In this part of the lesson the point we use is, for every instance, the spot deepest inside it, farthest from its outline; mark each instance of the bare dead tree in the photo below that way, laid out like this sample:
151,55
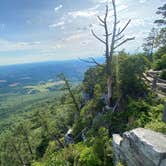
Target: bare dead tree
112,41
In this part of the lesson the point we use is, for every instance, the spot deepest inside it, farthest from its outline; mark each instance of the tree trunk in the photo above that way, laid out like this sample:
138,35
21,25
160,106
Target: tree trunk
109,90
18,154
27,141
68,87
59,142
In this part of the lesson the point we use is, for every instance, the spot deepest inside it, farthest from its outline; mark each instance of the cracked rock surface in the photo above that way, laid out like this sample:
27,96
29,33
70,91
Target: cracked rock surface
140,147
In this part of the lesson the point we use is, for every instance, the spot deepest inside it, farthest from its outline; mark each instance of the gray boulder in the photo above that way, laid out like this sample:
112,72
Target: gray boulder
140,147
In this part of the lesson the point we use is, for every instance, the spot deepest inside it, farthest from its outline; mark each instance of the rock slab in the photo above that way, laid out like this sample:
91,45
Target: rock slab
140,147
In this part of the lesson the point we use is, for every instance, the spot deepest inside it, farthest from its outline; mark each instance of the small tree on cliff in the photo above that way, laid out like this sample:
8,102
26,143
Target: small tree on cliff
161,11
161,37
68,87
112,41
150,44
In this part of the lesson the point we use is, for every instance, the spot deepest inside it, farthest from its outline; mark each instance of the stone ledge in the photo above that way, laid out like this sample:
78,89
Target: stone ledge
140,147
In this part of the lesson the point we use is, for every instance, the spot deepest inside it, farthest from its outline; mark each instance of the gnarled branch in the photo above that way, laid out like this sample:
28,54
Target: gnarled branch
109,34
100,19
106,13
98,38
124,41
117,22
92,60
121,37
121,31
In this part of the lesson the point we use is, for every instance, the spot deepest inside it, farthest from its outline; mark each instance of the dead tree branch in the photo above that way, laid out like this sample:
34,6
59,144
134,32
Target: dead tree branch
121,31
92,60
93,33
100,19
121,37
114,30
123,42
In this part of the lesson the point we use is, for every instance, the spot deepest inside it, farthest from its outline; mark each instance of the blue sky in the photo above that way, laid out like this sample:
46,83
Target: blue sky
44,30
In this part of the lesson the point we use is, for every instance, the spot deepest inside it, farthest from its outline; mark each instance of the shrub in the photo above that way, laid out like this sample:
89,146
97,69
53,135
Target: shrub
37,164
119,164
160,63
163,75
88,158
130,74
157,126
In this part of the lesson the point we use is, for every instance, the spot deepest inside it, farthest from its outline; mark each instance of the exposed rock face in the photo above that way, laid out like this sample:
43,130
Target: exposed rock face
140,147
69,137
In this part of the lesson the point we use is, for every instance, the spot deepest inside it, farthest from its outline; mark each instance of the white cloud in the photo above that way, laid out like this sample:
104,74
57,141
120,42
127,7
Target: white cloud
69,18
93,11
142,1
122,7
138,22
58,8
75,37
85,13
59,24
100,1
7,45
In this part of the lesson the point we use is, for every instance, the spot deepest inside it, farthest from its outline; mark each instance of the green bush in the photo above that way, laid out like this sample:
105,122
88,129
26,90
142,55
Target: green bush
56,162
163,75
130,74
37,164
158,126
137,113
119,164
160,63
88,158
78,154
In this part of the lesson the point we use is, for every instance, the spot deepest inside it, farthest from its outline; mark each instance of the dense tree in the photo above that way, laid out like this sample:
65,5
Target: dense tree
51,131
10,150
149,44
133,84
161,37
161,11
93,76
23,129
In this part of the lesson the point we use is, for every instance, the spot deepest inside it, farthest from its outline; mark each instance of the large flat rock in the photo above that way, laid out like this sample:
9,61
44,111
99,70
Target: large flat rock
140,147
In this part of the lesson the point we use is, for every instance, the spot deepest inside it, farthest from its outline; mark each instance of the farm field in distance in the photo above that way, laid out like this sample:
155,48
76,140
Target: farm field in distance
23,87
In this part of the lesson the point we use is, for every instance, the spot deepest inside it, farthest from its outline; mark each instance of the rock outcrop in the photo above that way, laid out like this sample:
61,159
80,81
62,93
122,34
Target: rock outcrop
140,147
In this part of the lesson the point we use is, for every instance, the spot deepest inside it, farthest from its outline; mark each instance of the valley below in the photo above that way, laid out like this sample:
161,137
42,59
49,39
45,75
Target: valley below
23,87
